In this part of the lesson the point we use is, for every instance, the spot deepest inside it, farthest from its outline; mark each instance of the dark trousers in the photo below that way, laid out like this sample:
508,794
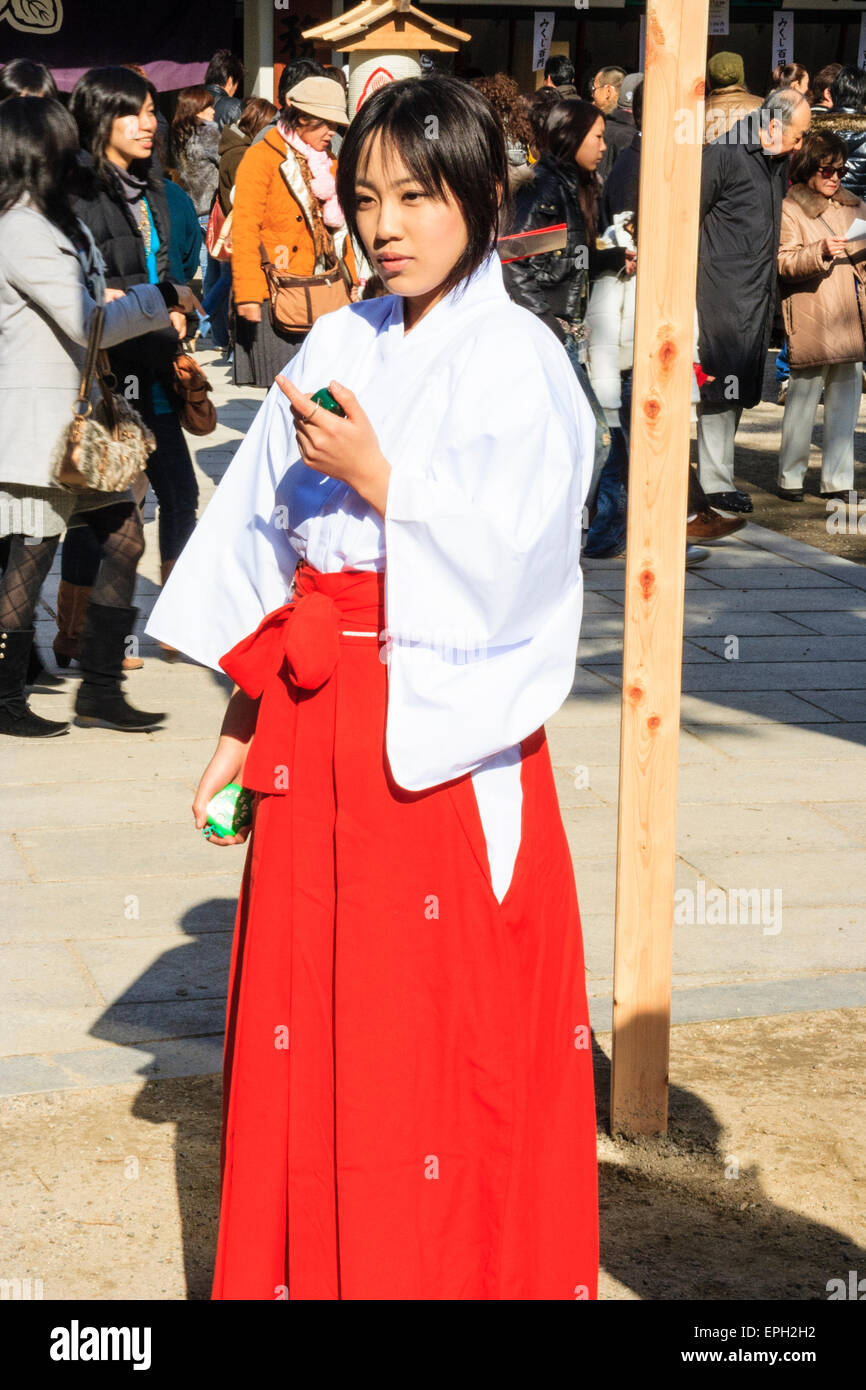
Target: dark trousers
171,475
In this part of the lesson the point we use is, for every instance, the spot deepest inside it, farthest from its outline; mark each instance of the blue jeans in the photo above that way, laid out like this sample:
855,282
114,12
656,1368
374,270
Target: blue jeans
602,430
606,535
215,286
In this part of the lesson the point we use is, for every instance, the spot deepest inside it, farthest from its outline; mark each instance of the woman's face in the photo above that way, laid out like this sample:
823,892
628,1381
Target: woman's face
132,136
208,114
803,84
826,179
315,133
412,238
593,147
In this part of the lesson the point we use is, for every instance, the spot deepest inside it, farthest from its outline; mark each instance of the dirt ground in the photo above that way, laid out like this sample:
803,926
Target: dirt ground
759,1191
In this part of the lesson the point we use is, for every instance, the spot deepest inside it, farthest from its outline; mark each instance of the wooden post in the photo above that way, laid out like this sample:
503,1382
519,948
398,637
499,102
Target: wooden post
676,48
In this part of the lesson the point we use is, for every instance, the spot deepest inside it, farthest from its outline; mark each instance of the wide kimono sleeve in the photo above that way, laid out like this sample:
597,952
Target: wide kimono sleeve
483,581
237,565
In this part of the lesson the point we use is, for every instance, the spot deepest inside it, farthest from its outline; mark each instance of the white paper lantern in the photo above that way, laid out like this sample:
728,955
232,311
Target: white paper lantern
370,71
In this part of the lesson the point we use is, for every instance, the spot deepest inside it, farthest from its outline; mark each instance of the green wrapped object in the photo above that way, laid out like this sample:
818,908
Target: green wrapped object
229,811
326,400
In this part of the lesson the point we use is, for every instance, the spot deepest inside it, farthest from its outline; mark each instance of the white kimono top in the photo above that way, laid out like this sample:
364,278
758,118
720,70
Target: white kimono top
490,439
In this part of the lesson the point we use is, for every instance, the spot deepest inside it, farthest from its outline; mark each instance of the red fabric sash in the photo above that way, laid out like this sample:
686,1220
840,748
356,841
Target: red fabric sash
296,648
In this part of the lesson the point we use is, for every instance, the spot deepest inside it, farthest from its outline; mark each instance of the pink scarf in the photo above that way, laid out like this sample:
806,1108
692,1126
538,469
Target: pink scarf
322,180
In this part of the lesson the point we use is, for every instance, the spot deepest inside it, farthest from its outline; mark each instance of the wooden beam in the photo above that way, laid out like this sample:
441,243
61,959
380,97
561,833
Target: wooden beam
655,561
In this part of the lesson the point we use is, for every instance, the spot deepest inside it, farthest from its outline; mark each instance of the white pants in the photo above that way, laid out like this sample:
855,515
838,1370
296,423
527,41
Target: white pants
842,385
717,426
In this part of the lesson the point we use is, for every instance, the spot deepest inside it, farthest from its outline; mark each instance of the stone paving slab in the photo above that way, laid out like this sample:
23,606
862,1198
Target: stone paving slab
849,705
752,707
185,906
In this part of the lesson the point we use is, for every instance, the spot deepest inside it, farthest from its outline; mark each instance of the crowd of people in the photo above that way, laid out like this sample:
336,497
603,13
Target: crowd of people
101,191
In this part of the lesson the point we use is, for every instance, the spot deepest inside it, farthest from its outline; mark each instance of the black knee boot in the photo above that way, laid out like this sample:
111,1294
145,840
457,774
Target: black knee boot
100,700
16,716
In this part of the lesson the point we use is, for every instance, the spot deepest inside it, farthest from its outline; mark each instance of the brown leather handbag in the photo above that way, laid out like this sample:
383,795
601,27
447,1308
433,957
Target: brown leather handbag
296,301
197,414
108,444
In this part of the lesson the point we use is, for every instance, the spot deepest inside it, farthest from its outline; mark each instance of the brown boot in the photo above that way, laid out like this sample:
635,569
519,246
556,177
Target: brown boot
72,601
165,569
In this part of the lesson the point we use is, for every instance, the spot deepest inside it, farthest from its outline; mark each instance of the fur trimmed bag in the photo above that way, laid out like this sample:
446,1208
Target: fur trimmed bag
108,444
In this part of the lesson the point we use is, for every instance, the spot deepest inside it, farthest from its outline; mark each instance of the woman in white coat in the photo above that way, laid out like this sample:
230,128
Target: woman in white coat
408,1103
51,284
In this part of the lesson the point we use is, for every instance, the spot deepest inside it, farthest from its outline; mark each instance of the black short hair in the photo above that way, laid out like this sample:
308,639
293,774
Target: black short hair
560,70
22,78
450,139
223,65
849,88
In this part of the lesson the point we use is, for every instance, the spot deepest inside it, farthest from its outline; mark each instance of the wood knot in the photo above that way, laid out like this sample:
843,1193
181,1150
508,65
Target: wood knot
700,89
647,580
667,354
635,694
654,722
652,408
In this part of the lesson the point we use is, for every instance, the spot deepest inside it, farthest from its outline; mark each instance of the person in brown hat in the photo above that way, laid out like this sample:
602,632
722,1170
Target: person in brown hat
729,98
286,201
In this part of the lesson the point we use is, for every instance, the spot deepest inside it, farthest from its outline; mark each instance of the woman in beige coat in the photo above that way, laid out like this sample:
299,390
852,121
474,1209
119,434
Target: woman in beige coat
823,279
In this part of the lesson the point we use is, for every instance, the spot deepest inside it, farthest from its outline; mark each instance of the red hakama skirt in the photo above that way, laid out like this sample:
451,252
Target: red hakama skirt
408,1106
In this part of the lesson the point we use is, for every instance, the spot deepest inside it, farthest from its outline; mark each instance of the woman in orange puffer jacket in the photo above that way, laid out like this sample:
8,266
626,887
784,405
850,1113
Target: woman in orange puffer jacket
285,200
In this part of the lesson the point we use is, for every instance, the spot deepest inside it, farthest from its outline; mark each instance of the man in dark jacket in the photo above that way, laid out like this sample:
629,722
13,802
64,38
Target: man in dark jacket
559,74
224,80
846,118
619,127
622,187
744,179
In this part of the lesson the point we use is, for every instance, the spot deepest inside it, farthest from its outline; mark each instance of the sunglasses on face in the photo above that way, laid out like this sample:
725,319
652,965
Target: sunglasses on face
830,171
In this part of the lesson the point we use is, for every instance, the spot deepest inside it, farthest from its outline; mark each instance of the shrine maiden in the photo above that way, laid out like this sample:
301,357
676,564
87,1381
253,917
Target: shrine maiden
408,1095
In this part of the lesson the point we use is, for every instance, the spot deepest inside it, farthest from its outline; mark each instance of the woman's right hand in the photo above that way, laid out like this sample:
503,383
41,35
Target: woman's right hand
225,766
834,246
251,312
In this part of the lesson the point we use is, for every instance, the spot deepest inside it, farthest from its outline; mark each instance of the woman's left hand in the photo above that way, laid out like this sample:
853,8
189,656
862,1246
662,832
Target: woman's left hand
342,447
630,262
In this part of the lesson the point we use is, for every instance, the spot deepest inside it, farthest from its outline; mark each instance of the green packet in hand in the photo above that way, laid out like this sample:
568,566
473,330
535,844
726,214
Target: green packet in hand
229,811
324,398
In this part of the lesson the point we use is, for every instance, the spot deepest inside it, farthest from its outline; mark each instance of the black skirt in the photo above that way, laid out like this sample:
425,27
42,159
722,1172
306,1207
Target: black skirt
261,351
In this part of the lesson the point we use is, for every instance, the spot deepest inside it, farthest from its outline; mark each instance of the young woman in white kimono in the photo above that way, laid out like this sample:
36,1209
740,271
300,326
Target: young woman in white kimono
408,1097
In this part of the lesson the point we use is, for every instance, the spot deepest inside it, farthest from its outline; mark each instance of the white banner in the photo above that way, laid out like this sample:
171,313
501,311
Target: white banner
783,39
720,17
541,37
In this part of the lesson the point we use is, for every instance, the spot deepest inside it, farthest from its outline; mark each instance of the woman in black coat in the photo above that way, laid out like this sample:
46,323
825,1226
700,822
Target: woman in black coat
565,188
126,209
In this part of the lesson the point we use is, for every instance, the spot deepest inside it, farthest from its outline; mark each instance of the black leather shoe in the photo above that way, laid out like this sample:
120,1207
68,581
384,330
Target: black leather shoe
730,501
791,494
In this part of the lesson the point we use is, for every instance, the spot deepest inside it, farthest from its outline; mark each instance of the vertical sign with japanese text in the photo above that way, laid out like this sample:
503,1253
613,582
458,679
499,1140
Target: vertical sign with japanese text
720,17
541,38
783,39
